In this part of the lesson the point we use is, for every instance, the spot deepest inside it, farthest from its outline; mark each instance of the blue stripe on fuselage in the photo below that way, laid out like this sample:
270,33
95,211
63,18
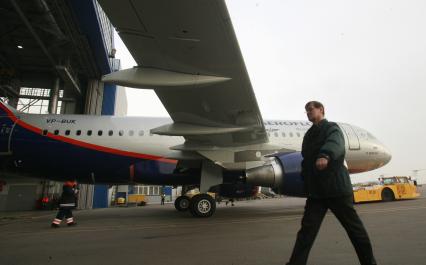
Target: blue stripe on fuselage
41,156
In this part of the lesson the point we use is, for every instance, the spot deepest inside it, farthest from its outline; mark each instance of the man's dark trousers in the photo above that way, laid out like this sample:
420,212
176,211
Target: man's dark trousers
342,208
64,212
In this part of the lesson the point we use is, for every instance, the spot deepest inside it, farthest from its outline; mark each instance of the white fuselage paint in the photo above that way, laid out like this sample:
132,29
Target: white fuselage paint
132,134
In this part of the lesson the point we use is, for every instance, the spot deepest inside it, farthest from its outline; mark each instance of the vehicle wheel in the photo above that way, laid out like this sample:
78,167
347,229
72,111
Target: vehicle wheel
202,205
182,203
387,195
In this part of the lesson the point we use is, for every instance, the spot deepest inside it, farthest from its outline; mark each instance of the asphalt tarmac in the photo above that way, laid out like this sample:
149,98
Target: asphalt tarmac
252,233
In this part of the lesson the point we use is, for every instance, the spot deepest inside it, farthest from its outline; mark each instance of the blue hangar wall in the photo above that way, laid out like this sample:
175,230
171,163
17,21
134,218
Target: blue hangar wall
96,29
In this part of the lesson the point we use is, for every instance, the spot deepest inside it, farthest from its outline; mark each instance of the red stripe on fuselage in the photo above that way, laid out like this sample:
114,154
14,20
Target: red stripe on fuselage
84,144
10,114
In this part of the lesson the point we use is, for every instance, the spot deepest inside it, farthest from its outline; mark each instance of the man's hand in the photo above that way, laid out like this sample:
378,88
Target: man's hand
321,163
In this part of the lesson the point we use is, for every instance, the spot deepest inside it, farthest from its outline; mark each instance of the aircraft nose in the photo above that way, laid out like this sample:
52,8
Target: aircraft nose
387,156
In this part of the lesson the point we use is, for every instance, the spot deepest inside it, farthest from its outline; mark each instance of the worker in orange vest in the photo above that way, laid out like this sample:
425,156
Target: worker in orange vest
67,202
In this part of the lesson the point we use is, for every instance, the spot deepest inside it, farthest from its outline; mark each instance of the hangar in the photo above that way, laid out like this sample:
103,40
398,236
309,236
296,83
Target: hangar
52,56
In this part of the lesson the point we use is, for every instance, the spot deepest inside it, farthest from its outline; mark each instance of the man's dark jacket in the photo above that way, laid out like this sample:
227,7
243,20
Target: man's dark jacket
325,140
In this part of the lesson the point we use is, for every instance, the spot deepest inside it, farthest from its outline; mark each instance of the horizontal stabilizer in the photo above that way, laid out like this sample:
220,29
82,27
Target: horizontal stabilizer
186,129
150,78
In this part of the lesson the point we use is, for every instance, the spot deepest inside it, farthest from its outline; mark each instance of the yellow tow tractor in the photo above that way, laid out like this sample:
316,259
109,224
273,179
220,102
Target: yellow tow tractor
387,189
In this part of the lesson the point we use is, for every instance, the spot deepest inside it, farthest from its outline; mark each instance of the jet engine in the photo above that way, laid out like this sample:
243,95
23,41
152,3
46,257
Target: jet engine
281,173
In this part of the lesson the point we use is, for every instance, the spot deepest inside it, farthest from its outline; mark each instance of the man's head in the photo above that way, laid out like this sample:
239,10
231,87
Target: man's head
314,111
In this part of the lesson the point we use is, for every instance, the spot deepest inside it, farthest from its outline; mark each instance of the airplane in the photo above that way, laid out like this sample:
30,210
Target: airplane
129,150
215,138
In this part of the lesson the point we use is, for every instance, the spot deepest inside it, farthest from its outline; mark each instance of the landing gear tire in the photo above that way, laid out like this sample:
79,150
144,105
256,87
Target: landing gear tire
182,203
387,195
202,205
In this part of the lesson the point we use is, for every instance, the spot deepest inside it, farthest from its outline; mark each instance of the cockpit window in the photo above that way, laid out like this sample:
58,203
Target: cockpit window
371,136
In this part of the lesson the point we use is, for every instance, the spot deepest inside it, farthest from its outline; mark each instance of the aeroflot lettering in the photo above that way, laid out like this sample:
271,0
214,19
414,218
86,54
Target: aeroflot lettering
302,123
60,121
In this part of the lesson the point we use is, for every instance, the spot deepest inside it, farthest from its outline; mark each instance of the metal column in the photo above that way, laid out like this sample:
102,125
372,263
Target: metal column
54,96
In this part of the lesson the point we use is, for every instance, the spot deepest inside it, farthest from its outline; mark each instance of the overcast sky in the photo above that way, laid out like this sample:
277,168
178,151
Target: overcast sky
365,60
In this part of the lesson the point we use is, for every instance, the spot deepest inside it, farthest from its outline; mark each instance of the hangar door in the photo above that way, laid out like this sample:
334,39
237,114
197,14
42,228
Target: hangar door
21,198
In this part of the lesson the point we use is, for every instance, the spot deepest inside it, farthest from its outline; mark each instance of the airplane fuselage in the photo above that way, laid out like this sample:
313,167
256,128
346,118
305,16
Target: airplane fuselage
113,149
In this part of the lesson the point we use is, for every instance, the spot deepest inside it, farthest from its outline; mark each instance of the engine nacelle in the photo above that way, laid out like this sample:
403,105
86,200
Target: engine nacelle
281,173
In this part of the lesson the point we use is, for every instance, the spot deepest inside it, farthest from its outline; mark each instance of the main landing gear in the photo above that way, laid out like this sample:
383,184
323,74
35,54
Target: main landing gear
200,205
182,203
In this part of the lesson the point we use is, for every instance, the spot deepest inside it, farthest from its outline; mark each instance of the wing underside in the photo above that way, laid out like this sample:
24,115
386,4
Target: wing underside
187,52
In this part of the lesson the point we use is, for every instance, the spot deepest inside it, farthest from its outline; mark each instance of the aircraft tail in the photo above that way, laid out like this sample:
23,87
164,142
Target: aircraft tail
7,111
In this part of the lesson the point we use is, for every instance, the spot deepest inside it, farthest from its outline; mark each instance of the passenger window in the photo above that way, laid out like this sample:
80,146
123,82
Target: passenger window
67,132
140,133
283,134
78,132
56,132
121,132
89,132
276,134
100,132
110,132
131,132
298,134
291,134
44,132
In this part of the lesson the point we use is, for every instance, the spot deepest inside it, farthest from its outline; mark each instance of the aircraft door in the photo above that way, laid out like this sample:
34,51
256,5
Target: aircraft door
353,140
6,127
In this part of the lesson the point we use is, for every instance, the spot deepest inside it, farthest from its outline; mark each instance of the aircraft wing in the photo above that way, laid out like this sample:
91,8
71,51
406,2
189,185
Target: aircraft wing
187,52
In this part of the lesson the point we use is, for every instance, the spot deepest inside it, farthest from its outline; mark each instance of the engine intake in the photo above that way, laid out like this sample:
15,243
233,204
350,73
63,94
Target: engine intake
281,173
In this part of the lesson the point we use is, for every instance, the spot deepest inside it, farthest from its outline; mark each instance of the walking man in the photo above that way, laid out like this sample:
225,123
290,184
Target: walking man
163,198
328,186
67,202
